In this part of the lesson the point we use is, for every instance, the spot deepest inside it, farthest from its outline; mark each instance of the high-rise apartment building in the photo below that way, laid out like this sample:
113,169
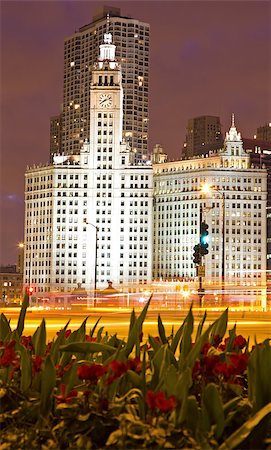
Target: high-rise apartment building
234,209
55,134
88,217
203,135
81,50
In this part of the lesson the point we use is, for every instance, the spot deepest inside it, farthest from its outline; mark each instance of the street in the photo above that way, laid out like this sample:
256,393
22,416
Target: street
116,320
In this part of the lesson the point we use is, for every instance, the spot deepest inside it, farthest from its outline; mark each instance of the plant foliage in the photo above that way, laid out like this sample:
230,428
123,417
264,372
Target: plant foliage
90,391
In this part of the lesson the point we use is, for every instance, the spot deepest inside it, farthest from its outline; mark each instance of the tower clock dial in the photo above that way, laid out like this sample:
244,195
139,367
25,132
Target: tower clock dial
105,100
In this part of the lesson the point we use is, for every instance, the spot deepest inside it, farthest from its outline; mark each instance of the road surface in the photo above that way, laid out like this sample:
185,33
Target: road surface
116,320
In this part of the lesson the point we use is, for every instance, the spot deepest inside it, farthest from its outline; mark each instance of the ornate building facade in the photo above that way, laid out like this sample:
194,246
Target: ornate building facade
234,209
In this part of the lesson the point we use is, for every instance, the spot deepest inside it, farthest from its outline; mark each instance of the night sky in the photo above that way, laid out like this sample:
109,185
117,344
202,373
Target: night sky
207,57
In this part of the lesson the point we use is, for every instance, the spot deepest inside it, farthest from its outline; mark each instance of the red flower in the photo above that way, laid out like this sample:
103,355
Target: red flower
134,364
196,369
26,341
209,362
118,368
90,338
48,347
205,348
158,400
36,363
224,369
239,362
9,355
151,399
65,398
216,340
222,347
91,372
164,404
239,342
62,370
67,333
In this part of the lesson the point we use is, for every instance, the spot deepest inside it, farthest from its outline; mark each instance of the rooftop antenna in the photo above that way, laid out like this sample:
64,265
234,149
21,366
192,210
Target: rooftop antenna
107,23
232,120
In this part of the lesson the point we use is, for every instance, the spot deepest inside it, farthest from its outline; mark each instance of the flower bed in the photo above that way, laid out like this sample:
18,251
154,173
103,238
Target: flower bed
91,390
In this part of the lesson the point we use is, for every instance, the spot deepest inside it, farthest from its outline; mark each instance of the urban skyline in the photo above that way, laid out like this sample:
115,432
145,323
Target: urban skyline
167,82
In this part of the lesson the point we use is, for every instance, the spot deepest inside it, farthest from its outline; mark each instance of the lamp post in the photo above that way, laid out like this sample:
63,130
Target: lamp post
206,189
95,260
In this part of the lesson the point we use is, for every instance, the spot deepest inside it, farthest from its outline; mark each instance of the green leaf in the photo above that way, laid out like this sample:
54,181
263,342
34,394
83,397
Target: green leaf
154,343
236,438
195,351
5,329
232,335
39,339
170,381
231,404
80,334
21,319
143,375
214,407
55,352
176,338
192,418
182,389
134,378
132,320
99,334
26,369
186,342
200,326
161,330
70,378
48,382
87,347
136,330
259,385
160,362
92,331
220,325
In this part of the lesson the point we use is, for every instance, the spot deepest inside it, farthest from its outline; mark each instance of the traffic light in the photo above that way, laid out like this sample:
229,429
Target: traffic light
204,239
197,254
30,290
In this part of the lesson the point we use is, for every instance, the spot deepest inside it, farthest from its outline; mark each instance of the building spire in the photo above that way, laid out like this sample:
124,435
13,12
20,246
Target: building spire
107,48
232,121
107,23
107,35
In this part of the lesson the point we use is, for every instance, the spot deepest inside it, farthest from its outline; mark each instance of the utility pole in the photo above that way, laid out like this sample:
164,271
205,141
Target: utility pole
200,289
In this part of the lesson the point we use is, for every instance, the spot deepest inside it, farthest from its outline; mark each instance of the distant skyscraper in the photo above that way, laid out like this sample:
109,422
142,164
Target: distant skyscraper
264,132
131,38
203,135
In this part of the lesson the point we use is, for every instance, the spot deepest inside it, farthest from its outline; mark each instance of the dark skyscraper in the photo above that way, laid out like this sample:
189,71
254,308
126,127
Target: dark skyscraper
264,132
203,134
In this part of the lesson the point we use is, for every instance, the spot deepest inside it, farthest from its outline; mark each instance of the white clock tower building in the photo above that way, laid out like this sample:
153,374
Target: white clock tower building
89,217
120,193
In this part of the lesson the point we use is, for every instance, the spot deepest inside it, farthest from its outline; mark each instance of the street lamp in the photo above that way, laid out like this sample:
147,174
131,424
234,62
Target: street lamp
95,261
207,189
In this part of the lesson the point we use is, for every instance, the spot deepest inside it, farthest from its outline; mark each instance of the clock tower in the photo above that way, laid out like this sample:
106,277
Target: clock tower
106,106
119,197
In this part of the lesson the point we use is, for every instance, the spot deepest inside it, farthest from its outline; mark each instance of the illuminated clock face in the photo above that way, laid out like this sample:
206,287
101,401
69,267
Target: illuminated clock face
105,100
